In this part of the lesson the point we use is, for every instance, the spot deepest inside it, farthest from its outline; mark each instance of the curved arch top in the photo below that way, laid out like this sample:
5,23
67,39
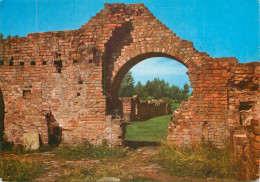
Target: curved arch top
119,74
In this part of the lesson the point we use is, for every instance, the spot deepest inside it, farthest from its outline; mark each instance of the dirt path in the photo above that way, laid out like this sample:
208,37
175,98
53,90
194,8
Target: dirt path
138,163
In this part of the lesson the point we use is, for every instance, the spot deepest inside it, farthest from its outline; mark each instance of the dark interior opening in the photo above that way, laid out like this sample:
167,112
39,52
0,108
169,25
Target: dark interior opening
58,65
245,105
54,130
26,94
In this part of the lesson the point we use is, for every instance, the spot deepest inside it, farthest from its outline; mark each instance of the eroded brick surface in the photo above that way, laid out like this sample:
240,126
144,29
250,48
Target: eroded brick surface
75,75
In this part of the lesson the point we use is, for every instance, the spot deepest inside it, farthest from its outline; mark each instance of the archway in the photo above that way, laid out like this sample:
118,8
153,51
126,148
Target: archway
114,104
113,101
149,94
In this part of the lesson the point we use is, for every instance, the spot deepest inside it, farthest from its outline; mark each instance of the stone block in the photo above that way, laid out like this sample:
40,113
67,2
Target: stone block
31,141
108,179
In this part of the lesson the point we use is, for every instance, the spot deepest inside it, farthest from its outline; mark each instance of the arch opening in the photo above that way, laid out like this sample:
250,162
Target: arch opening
116,79
132,107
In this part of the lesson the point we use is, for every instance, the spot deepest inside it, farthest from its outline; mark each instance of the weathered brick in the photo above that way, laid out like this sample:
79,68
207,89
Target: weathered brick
104,50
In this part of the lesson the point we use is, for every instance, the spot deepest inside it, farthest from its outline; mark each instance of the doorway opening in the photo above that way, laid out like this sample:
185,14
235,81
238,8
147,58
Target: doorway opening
148,95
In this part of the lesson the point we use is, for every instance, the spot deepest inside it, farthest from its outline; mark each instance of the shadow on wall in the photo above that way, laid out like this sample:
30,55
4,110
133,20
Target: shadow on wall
2,115
54,130
121,37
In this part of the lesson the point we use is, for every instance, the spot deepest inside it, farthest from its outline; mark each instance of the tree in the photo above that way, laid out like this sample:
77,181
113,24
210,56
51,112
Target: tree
138,90
159,89
186,91
127,86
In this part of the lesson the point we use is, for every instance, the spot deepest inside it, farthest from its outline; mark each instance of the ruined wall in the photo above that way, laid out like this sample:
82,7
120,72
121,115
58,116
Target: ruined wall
205,115
135,109
58,72
244,109
128,108
146,109
44,73
75,75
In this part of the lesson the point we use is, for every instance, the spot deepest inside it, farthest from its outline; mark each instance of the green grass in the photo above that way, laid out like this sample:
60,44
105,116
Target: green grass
82,173
16,170
152,130
202,161
79,173
174,106
87,150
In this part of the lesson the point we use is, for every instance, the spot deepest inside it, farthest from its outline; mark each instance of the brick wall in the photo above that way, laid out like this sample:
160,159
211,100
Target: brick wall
135,109
128,108
75,75
58,72
244,118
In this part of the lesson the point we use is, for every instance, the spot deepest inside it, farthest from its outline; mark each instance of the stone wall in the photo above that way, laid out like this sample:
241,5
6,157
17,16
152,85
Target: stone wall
135,109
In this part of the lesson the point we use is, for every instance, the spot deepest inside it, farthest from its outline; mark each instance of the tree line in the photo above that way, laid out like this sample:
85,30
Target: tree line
155,89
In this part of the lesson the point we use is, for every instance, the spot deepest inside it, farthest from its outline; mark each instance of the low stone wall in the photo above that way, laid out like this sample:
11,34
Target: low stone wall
135,109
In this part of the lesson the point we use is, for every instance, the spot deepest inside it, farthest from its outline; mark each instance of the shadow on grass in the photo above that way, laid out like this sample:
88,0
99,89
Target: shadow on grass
138,144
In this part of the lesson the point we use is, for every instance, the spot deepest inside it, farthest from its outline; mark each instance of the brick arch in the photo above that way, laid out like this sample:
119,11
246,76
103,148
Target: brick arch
185,54
189,57
121,72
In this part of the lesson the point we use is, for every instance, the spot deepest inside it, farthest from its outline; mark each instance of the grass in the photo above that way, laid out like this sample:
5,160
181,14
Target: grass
78,173
82,173
202,161
87,150
152,130
174,106
122,172
20,170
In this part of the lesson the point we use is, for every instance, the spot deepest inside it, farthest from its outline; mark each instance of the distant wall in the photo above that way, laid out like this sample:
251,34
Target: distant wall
135,109
128,108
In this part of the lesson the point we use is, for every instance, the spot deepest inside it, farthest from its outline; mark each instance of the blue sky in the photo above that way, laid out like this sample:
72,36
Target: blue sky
222,28
164,68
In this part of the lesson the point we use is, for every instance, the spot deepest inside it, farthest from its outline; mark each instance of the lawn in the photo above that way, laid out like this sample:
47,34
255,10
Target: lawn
174,106
152,130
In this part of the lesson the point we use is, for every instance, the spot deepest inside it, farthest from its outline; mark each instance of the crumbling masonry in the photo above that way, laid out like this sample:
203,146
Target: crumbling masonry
134,109
74,76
